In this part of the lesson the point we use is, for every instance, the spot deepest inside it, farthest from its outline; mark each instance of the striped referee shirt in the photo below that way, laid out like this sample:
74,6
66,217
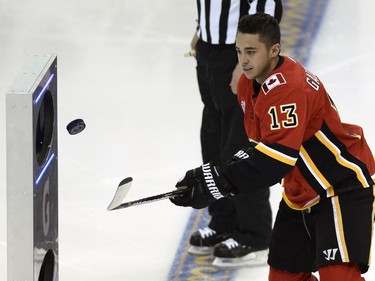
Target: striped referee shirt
218,19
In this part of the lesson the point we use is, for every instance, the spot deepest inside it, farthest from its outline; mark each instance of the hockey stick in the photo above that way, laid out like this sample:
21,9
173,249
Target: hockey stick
123,189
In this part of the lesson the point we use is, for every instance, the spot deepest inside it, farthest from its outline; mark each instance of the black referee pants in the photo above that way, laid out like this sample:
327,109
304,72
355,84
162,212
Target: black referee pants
249,218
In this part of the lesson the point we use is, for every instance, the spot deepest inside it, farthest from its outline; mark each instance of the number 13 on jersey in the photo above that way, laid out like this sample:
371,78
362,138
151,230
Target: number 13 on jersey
283,116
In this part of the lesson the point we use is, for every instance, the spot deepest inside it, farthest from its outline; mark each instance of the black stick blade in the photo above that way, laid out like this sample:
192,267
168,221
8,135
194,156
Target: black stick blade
151,199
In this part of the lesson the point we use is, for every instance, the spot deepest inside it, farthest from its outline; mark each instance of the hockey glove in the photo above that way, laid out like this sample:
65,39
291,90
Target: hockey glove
243,153
204,185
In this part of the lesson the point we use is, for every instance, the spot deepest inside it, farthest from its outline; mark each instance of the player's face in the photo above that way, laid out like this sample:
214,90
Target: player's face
256,60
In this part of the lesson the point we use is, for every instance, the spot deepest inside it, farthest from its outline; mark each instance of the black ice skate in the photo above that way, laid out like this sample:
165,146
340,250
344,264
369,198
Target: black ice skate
203,241
232,254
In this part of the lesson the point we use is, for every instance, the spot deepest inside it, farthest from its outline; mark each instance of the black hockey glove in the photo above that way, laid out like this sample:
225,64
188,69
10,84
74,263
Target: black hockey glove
241,154
204,185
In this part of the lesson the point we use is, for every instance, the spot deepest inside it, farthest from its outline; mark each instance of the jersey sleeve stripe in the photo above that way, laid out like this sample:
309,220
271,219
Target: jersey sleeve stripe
315,172
277,155
340,159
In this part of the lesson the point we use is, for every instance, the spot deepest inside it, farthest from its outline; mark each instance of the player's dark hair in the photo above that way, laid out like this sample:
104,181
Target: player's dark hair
264,25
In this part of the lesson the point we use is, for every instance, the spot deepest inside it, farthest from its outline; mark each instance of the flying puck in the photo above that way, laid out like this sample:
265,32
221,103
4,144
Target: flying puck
76,126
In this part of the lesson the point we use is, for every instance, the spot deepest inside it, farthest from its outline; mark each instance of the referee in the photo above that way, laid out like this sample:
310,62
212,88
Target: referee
239,228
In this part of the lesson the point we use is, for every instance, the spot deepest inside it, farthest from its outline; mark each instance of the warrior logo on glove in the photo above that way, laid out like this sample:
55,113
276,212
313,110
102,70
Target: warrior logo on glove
203,185
210,182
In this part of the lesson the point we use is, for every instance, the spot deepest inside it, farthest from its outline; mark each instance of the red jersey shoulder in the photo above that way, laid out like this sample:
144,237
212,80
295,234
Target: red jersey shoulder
289,74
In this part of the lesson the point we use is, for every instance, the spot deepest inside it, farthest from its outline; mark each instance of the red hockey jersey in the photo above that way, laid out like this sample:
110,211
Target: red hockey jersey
300,139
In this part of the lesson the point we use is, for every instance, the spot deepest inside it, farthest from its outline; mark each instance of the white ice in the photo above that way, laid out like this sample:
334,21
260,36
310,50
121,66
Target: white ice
121,68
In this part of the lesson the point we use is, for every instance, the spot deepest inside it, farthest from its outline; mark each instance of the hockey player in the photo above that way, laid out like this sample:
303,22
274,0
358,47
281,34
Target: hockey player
324,222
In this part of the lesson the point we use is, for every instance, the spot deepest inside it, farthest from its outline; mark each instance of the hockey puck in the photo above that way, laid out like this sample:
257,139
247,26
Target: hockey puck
76,126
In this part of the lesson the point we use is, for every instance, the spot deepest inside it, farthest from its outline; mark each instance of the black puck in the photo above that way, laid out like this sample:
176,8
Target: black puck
76,126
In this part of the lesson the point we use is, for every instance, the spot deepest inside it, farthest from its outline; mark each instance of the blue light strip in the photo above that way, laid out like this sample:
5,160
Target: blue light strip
45,168
44,89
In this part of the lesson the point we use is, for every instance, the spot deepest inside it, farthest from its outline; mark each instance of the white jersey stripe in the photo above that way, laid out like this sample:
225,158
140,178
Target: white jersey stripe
214,21
270,7
234,15
315,172
344,162
202,23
